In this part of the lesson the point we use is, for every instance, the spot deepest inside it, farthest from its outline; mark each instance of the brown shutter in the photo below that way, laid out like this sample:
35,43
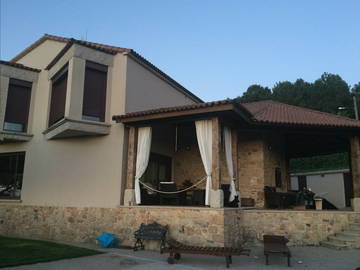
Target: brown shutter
94,101
18,103
58,96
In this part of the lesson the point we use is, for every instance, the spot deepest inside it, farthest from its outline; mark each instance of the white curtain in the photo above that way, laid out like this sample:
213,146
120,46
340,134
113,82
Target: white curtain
204,138
142,158
229,162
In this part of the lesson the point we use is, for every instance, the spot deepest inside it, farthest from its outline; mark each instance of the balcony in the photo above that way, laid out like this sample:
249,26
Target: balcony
68,127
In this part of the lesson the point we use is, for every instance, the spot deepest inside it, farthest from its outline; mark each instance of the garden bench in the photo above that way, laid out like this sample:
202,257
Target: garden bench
276,244
153,231
176,249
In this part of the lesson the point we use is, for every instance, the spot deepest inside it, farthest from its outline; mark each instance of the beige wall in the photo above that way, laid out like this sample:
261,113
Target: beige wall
84,171
42,55
145,90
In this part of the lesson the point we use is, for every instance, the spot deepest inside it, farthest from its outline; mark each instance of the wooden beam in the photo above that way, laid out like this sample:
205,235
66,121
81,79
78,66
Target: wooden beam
216,147
234,148
355,164
132,152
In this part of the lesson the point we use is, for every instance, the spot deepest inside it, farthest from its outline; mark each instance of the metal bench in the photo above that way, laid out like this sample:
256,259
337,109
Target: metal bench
153,231
176,249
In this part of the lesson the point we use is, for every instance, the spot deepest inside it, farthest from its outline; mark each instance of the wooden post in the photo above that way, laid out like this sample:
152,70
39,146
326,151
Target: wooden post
132,152
216,146
355,164
287,174
234,147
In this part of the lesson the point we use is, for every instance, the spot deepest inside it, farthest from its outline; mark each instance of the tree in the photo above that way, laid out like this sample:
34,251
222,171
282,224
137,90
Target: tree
328,93
255,92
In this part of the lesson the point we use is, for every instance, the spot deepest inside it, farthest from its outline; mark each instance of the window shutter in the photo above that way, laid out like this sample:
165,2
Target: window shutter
58,97
94,102
18,103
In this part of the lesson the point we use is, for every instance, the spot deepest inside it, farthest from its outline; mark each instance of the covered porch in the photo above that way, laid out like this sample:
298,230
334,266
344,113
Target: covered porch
257,153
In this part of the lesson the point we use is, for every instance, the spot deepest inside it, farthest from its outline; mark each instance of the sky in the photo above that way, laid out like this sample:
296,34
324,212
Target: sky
216,49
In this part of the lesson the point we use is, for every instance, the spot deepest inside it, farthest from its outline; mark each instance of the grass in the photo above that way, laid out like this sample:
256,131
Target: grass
17,251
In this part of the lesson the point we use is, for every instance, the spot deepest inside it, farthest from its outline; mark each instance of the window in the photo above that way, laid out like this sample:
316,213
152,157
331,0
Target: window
94,101
58,96
17,106
11,174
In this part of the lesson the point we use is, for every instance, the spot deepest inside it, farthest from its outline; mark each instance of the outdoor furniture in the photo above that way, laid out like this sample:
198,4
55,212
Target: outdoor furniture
176,249
198,197
153,231
276,244
169,199
282,200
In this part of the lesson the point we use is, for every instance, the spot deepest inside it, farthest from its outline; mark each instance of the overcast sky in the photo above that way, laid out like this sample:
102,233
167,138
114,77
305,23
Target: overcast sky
214,48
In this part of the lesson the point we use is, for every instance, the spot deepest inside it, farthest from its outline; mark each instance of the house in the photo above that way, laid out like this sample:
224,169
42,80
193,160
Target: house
58,144
108,141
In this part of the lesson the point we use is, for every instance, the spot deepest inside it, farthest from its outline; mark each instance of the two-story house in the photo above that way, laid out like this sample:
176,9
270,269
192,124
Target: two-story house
58,144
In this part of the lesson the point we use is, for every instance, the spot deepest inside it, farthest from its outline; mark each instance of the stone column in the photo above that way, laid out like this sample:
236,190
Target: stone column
216,194
355,171
129,195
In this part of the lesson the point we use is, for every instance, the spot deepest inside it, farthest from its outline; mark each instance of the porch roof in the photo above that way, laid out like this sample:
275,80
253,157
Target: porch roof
264,113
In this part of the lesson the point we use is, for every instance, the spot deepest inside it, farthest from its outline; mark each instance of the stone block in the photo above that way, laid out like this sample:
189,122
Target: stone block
129,197
216,198
355,204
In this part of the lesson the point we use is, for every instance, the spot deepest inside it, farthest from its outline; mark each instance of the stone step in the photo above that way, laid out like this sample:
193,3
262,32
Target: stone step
334,245
354,226
342,239
349,233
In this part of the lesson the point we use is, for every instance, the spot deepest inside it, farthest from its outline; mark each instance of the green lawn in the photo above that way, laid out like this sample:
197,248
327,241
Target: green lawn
17,251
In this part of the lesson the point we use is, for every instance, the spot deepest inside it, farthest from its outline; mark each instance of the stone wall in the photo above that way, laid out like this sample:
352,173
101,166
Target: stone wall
251,167
196,226
200,226
300,227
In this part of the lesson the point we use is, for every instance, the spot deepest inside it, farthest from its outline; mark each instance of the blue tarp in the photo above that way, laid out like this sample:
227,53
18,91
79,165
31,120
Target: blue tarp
107,240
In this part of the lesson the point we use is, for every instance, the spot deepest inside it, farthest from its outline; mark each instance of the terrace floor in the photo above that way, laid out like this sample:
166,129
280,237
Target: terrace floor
318,258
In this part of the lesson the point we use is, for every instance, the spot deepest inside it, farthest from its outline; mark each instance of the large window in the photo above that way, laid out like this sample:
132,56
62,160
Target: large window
11,174
94,102
58,96
17,106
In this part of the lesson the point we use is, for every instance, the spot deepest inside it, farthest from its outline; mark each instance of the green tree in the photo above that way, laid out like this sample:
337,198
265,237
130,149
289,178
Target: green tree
255,92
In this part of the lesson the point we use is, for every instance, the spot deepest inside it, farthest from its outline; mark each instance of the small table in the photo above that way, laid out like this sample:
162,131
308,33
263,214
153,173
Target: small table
276,244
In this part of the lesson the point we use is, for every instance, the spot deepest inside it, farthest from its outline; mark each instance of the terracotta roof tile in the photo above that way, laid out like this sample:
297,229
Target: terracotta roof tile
16,65
265,112
107,49
175,109
273,112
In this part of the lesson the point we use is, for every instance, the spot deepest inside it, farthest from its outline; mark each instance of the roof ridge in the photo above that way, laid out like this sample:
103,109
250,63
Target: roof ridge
303,108
17,65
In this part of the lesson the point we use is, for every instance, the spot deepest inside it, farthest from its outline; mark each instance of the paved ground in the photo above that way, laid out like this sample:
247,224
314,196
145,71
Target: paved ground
318,258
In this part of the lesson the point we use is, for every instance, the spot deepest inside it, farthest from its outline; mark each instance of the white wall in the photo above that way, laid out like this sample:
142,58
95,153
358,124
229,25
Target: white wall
332,183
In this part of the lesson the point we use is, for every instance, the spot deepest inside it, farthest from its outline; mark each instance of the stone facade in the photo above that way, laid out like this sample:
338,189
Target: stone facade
258,156
196,226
